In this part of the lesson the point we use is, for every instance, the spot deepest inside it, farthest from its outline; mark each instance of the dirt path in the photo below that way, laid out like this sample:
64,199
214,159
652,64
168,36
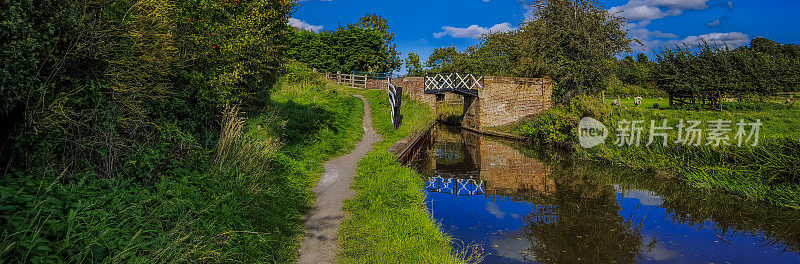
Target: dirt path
321,243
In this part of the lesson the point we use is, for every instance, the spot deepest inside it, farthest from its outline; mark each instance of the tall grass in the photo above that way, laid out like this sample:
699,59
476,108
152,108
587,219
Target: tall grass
247,155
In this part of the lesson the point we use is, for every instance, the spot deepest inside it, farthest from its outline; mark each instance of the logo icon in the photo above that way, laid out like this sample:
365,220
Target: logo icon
591,132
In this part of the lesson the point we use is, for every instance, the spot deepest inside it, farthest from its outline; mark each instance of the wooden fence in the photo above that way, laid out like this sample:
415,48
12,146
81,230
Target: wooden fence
349,80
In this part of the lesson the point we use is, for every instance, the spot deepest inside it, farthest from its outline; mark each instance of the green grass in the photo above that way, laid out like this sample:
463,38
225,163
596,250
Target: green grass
388,221
192,211
768,172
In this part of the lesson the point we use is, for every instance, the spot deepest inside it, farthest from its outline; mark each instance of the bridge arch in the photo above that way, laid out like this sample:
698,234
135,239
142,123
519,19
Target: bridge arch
489,101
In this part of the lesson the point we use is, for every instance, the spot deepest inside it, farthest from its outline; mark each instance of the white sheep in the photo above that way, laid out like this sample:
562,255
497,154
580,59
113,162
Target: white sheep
637,101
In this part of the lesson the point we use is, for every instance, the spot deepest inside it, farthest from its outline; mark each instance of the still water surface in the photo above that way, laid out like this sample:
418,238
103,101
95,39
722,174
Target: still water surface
538,206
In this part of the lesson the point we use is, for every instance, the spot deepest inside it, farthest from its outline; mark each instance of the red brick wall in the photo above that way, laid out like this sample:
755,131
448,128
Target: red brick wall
505,100
414,88
376,84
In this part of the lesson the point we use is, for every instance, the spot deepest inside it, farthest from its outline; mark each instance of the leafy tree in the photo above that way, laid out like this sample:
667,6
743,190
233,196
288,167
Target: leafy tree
442,58
634,71
571,40
364,46
413,65
764,67
233,48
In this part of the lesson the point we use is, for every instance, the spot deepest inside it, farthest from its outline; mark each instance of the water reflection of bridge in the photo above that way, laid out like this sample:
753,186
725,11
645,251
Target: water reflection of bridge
463,163
459,187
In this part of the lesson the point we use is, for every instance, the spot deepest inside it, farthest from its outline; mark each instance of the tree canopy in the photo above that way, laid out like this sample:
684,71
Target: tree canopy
365,46
764,67
413,65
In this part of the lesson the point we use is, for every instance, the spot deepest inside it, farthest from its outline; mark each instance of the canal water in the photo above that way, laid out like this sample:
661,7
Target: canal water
525,205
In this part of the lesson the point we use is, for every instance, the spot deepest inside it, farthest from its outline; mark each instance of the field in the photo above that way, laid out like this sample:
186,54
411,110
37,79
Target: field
769,171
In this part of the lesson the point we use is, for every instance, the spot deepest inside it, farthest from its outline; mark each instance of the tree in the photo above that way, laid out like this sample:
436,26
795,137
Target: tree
365,46
570,40
765,67
234,49
413,65
442,58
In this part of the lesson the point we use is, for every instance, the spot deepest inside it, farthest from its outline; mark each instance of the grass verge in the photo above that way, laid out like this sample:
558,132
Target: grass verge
388,221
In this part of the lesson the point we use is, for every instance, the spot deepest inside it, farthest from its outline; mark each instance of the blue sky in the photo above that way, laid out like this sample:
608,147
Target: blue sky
422,25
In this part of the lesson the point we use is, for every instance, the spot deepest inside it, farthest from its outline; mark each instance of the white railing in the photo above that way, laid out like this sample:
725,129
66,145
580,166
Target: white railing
453,81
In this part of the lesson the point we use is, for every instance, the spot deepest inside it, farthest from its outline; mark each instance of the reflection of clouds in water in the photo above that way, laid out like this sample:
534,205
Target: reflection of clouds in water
644,197
656,250
512,246
495,210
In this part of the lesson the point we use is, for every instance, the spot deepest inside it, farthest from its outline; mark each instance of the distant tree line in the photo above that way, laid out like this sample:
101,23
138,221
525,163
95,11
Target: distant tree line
366,46
765,67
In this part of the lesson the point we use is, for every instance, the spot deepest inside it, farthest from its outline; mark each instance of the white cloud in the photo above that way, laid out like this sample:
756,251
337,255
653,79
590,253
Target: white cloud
731,39
636,10
473,31
649,39
714,23
300,24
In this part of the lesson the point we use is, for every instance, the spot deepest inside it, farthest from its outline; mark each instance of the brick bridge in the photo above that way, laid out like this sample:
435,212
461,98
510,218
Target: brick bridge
489,101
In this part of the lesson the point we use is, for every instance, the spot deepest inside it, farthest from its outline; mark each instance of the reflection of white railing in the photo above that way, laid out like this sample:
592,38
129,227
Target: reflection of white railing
453,81
458,187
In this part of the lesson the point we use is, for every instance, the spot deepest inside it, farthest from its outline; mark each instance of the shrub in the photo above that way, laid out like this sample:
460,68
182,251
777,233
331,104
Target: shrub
299,73
559,126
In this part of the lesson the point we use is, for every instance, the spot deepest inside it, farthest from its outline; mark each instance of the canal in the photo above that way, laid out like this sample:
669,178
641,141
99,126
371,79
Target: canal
527,205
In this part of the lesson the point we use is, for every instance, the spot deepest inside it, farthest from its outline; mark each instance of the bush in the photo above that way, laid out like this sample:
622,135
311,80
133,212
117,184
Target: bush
559,126
300,73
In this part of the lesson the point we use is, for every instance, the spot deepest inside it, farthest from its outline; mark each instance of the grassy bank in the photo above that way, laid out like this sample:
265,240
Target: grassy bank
245,205
768,172
388,221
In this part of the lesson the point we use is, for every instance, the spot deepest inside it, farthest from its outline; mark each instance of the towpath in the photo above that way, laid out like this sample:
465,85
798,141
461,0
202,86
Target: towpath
321,243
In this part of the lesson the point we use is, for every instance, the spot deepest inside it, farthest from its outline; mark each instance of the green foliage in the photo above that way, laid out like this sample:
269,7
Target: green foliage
299,73
189,211
636,72
366,46
413,65
442,59
232,49
559,126
765,68
113,113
